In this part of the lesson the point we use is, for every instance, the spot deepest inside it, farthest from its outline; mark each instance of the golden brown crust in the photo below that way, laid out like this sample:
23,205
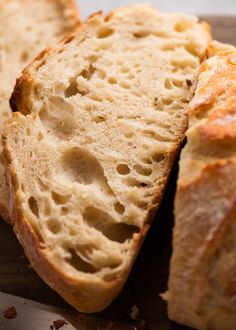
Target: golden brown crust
202,283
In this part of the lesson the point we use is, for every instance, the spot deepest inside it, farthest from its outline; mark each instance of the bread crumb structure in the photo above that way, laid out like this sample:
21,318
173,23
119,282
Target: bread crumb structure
26,28
102,117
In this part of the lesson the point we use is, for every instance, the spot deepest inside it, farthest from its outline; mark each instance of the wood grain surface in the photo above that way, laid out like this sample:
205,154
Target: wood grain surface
149,276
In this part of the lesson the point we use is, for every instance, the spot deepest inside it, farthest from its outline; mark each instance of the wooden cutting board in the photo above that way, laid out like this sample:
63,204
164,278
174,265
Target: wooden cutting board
149,276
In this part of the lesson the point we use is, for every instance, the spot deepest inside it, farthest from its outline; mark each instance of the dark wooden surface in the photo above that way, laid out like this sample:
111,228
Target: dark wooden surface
149,276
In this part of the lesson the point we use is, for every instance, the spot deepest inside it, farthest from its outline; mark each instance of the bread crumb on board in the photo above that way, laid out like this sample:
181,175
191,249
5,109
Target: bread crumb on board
10,313
58,324
134,312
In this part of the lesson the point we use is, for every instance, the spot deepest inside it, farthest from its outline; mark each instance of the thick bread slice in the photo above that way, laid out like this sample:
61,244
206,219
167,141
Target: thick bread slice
27,27
88,165
202,283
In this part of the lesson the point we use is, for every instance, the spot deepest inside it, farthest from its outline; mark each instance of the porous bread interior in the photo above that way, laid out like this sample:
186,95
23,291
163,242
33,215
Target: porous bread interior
107,117
26,28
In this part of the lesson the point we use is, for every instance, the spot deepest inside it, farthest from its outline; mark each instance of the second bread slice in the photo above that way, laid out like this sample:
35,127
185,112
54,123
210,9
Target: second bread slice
102,118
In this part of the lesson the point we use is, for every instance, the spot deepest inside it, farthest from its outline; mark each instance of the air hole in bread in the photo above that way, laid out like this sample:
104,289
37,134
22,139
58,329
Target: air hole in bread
177,83
79,165
22,187
132,182
185,101
131,76
169,46
33,205
105,45
124,69
101,74
112,80
92,58
181,64
59,199
54,226
89,107
125,85
24,56
141,34
95,97
72,89
158,104
119,208
139,203
166,101
88,73
147,160
168,84
158,157
123,169
109,98
104,223
99,119
57,117
28,131
79,264
154,135
104,32
40,136
142,170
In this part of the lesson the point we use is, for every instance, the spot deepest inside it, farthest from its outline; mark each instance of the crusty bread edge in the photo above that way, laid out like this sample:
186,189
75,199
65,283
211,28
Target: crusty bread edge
197,314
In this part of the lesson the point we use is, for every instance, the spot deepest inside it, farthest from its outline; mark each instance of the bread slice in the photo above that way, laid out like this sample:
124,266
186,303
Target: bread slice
202,283
27,27
102,118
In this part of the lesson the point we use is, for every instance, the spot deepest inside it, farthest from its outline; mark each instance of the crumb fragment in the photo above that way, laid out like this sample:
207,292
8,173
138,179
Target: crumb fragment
10,313
58,324
134,312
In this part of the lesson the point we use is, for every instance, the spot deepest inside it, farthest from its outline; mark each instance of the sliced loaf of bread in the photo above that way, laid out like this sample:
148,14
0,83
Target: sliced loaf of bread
26,28
101,119
202,283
